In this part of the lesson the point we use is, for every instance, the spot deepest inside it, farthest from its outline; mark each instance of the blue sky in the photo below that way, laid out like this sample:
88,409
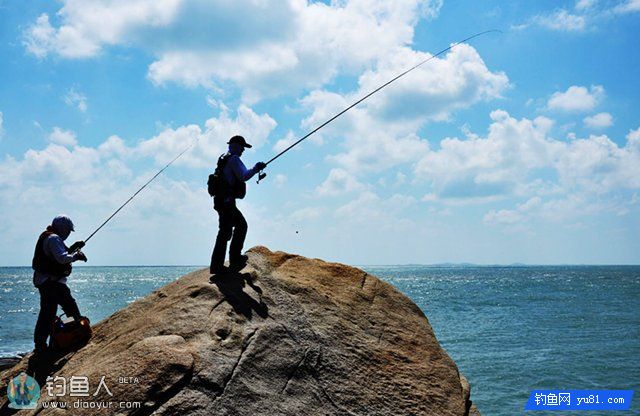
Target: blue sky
520,147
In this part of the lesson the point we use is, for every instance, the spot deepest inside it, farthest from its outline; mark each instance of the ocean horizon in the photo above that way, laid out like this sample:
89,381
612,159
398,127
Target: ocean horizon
509,328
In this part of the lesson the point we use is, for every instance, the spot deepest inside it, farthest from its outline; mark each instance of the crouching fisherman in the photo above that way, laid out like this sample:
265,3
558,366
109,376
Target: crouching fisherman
52,265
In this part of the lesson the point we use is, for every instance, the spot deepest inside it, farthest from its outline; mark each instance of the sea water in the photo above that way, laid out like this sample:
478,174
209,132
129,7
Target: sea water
509,329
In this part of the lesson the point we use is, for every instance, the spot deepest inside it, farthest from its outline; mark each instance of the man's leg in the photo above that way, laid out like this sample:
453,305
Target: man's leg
225,228
48,308
67,302
239,234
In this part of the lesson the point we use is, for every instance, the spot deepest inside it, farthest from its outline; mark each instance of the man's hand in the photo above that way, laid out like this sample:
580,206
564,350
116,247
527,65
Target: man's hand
76,246
260,165
80,256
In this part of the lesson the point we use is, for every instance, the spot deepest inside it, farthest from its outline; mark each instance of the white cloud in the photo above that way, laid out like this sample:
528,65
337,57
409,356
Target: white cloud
435,90
576,98
585,4
627,6
89,182
492,166
210,141
339,182
285,142
586,16
280,180
508,217
62,137
369,209
506,162
87,26
634,136
306,214
291,45
380,133
598,165
76,99
562,20
598,121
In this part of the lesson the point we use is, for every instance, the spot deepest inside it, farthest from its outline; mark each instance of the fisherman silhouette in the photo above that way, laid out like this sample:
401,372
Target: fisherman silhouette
52,265
231,223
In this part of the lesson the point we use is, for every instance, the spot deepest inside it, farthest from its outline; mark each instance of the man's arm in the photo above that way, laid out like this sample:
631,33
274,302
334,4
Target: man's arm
240,171
59,251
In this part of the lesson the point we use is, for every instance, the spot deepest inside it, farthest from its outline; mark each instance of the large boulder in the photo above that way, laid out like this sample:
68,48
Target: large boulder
287,335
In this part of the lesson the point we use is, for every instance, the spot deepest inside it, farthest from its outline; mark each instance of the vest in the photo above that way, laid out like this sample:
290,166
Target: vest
45,264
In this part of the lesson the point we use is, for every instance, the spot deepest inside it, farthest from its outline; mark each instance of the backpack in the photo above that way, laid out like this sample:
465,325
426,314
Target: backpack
216,185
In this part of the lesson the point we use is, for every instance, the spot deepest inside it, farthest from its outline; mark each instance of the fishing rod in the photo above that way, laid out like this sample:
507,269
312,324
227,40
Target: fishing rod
262,175
139,190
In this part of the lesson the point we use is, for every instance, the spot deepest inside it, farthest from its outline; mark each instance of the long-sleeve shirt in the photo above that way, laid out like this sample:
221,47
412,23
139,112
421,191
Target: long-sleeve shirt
235,171
53,246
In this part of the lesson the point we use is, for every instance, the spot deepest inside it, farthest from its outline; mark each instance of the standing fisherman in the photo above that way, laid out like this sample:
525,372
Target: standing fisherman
52,265
232,225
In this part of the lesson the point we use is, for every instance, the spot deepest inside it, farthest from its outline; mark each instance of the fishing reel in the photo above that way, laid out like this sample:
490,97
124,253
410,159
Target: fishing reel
261,176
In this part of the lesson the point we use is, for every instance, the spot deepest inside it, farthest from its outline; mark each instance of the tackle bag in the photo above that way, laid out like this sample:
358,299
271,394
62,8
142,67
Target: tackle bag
70,334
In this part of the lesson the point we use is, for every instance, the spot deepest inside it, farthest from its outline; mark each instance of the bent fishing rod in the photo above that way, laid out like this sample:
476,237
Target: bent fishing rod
262,175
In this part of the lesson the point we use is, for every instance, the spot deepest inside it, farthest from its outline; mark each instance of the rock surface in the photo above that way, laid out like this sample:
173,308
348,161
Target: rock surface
286,336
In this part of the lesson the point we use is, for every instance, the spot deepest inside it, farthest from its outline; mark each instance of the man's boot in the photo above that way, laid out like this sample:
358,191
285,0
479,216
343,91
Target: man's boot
238,263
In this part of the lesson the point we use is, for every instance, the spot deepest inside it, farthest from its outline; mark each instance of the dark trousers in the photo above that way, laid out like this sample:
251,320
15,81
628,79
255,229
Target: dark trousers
53,294
231,226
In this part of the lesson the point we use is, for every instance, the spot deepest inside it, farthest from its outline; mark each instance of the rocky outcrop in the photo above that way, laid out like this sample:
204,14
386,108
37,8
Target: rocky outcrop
286,336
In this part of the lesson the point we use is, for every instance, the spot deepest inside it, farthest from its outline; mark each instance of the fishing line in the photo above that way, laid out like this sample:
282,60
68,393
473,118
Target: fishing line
139,190
262,175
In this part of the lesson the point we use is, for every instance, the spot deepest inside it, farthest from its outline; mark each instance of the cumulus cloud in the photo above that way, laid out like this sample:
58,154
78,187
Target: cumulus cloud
380,133
434,90
291,45
87,26
492,166
76,99
598,121
598,165
88,182
210,141
338,182
62,137
504,162
576,98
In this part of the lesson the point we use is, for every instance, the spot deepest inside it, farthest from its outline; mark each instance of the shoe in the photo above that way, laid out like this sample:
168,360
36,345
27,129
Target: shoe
218,270
238,263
